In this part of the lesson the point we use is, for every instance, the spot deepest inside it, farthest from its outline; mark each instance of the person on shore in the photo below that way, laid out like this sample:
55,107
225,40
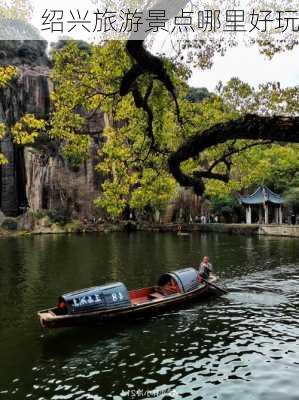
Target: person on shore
205,269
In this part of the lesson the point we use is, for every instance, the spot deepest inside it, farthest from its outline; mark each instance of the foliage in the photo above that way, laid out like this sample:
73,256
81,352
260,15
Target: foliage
2,130
196,95
129,180
7,74
268,99
78,91
10,224
3,159
136,175
60,216
133,158
272,165
291,197
226,205
28,129
269,164
16,9
155,190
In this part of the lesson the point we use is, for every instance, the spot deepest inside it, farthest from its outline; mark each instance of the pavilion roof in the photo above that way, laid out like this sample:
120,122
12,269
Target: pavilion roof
260,196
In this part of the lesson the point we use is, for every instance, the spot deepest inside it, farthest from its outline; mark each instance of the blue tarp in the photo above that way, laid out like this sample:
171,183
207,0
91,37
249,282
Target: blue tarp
260,196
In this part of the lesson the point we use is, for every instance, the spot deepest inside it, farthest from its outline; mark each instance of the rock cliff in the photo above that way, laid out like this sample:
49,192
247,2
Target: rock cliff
39,178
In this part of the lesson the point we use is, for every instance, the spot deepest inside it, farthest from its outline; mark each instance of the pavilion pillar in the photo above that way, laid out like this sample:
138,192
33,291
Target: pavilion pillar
280,215
266,214
277,215
260,214
248,215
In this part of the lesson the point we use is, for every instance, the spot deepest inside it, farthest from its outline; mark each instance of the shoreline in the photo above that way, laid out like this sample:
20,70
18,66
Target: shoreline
130,226
234,229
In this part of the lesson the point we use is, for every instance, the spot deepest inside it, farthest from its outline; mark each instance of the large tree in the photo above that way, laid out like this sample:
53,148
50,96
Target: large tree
258,126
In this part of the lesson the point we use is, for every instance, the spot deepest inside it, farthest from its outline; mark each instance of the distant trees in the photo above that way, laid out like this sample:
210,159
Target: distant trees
17,9
196,95
291,194
227,207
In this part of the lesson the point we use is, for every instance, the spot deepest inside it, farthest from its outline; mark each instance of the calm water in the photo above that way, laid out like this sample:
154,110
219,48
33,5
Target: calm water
240,346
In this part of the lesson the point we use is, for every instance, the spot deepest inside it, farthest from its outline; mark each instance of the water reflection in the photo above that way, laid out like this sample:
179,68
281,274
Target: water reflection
241,345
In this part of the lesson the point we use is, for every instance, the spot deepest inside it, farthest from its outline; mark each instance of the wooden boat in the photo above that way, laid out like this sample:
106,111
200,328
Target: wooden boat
114,301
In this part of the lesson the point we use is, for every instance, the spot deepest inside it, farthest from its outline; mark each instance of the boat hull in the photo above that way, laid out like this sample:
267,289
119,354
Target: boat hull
48,318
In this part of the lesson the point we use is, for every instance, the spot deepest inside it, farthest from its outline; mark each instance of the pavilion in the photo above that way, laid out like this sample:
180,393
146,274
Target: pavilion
262,199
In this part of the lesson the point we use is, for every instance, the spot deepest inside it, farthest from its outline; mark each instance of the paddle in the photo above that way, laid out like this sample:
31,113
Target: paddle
216,287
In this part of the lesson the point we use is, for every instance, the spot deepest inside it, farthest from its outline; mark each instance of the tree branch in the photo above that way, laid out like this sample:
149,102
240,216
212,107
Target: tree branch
230,153
146,63
250,127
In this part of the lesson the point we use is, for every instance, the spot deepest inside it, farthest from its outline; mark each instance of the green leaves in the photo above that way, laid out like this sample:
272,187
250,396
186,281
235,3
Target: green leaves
132,158
291,197
2,130
77,149
131,179
28,129
155,190
6,75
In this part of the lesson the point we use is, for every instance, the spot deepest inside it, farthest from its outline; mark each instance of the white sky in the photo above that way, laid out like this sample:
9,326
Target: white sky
246,63
252,67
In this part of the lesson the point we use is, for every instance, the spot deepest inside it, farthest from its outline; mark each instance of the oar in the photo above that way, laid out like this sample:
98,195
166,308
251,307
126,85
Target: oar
216,287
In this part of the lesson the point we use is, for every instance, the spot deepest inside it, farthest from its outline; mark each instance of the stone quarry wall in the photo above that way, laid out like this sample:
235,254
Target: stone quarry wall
39,178
28,94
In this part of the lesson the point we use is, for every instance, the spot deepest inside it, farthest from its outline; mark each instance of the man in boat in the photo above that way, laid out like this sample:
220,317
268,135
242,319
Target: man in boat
205,269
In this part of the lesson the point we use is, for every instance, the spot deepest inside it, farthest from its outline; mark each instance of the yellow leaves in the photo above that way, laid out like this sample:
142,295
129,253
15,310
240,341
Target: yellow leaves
28,129
114,197
2,130
69,127
7,74
129,180
108,64
150,189
82,75
155,190
65,123
77,149
3,159
215,188
116,147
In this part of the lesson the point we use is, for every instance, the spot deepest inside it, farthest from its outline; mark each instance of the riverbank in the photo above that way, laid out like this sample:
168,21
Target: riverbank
234,229
27,225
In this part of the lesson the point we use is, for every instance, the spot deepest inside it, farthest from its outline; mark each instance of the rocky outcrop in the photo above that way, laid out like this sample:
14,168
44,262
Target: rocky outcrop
27,94
51,184
24,52
186,206
39,178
